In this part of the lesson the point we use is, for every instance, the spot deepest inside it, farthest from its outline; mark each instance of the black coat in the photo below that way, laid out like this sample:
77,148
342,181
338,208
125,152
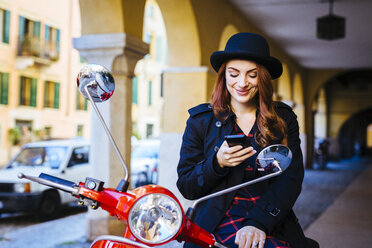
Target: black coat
200,175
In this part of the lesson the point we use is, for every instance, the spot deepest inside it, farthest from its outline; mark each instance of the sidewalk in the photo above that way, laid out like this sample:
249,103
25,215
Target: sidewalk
348,221
334,209
48,234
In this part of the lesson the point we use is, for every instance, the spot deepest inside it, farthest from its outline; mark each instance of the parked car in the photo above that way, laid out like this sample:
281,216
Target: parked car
144,162
67,159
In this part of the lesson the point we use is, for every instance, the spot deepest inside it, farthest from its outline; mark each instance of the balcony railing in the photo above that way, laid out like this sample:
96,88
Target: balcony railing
34,46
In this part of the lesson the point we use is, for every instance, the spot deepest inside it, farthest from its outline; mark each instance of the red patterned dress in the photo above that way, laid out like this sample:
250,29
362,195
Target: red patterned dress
243,201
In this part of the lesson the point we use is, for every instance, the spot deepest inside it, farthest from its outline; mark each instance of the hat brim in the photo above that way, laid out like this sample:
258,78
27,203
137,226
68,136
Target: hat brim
273,65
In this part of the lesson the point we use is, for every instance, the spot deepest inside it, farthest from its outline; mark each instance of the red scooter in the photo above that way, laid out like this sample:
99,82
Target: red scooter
152,215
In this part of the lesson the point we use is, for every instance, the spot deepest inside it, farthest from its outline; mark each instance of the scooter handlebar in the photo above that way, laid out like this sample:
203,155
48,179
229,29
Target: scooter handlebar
54,182
57,180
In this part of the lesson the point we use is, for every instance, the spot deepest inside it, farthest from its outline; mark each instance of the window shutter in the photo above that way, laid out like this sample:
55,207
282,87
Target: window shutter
150,93
46,89
6,26
33,92
36,30
56,95
4,88
58,41
21,28
47,33
21,91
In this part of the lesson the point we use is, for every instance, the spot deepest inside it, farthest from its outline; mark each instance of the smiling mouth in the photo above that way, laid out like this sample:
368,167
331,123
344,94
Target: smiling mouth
242,92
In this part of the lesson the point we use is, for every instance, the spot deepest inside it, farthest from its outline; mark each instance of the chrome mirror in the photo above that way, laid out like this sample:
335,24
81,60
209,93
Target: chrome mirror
96,84
275,154
99,81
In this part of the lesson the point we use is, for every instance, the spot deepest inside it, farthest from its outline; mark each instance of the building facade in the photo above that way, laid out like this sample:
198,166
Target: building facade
38,68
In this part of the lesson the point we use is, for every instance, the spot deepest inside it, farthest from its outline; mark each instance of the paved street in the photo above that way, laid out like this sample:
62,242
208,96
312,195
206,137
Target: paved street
330,209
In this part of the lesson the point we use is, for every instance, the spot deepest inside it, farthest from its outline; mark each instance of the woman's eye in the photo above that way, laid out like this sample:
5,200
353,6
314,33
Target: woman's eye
252,75
234,75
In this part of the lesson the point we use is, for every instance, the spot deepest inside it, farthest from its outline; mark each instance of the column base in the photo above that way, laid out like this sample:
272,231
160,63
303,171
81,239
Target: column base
103,226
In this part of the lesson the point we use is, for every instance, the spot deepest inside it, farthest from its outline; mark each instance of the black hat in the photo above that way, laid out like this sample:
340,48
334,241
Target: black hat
248,46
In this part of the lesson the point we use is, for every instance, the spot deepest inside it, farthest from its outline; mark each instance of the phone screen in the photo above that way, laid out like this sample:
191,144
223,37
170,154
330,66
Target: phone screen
237,139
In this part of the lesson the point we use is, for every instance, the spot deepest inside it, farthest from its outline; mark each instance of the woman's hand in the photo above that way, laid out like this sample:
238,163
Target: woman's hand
233,156
250,237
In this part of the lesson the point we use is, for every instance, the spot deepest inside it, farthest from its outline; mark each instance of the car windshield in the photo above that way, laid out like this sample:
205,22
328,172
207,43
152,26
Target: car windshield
146,151
41,156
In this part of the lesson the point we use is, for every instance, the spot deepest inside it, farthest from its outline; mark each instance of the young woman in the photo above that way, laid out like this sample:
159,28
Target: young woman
259,215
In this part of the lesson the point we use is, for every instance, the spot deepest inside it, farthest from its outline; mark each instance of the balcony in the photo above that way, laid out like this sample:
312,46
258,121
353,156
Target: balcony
34,51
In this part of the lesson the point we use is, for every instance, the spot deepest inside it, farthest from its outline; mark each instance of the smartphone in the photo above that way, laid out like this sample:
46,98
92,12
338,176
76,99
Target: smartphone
237,139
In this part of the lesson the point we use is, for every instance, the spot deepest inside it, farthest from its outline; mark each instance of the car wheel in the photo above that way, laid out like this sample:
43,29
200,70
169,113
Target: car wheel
50,206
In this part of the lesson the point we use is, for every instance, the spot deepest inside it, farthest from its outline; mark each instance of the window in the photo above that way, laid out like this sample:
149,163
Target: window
149,130
51,42
50,156
80,130
135,90
80,155
4,26
150,11
4,88
48,132
81,101
162,84
159,49
150,93
28,91
147,38
29,37
51,95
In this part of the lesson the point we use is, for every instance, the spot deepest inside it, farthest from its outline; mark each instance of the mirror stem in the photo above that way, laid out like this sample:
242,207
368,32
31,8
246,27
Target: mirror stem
107,132
190,211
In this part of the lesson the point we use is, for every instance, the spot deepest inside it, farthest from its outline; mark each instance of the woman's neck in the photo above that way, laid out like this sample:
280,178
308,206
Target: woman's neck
245,116
244,109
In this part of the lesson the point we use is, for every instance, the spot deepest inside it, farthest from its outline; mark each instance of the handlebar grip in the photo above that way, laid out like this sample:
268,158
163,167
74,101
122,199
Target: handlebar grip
54,182
57,180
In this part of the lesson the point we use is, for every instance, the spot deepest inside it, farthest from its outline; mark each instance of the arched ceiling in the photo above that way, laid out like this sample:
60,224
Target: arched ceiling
292,25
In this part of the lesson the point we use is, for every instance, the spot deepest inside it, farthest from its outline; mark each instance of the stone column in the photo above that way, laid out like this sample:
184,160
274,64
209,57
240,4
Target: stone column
299,110
119,53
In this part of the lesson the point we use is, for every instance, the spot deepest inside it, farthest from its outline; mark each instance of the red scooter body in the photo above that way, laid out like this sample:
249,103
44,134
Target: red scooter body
118,204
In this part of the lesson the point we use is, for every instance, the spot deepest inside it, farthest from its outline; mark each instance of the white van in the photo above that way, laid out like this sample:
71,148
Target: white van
67,159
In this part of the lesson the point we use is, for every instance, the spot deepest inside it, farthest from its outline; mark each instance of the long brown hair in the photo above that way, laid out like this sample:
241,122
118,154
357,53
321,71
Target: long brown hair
268,121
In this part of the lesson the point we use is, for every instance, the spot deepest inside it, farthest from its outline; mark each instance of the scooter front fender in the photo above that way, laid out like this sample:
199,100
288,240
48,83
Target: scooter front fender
111,241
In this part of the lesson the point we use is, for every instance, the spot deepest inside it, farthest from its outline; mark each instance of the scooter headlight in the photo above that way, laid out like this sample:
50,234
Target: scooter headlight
155,218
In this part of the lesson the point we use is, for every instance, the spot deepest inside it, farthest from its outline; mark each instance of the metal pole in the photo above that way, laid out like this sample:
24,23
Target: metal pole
107,132
239,185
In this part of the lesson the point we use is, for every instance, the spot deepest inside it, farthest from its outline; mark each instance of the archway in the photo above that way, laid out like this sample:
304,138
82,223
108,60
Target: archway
184,28
346,94
227,32
353,135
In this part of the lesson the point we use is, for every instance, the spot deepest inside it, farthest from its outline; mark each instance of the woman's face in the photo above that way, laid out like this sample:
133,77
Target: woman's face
241,80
